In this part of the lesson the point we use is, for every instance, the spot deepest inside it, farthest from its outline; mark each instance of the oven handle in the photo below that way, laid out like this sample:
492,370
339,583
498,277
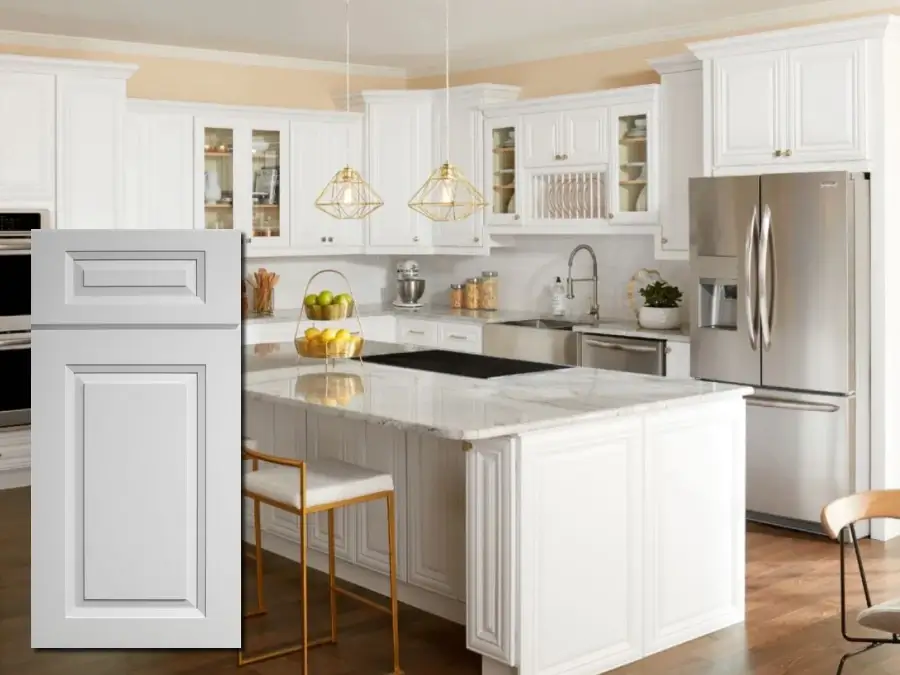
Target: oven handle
15,245
15,343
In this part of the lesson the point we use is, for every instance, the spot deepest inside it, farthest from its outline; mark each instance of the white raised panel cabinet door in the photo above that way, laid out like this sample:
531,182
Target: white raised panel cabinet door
90,163
585,135
749,108
27,137
542,143
827,104
159,170
136,471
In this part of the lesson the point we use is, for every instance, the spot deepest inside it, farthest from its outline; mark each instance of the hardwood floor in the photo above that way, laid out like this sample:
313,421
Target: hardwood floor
792,622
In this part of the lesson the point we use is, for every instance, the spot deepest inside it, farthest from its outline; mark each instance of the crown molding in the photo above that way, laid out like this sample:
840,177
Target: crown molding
680,63
47,41
40,64
524,51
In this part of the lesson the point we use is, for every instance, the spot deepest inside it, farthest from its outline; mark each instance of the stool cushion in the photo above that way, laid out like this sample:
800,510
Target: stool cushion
249,443
885,617
327,481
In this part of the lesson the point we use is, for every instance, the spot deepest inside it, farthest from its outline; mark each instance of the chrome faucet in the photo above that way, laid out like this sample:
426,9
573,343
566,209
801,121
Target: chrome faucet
570,282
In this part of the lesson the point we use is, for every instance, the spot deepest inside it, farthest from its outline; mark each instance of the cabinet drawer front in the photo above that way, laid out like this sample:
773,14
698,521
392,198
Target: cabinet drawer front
258,333
415,332
135,278
459,337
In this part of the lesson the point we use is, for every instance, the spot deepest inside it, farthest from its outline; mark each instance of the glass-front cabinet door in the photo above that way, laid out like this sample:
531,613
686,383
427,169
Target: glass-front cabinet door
633,183
240,177
501,172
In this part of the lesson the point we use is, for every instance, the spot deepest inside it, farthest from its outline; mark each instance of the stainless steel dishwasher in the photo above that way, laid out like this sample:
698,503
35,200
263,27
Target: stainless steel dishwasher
631,355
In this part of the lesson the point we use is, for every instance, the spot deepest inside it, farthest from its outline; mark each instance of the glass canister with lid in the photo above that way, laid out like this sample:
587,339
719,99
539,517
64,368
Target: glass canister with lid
473,293
457,291
490,287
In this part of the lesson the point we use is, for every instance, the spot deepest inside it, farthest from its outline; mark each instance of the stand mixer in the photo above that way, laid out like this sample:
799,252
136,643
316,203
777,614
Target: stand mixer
410,286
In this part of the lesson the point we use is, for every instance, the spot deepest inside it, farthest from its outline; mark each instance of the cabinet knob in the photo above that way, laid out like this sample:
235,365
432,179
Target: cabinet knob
778,153
557,157
477,239
323,239
664,240
787,153
564,157
611,215
516,217
415,239
330,239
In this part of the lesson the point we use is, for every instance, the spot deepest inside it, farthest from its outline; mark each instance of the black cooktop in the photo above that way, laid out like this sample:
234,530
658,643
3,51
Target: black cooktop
460,363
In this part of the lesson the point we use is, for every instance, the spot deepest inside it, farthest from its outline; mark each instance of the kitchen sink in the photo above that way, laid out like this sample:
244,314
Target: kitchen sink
548,324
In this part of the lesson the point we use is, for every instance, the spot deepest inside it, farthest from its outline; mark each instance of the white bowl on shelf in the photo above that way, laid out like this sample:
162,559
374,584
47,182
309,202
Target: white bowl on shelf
260,146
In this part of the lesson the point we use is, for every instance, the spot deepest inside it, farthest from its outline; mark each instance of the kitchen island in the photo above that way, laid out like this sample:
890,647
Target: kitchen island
575,520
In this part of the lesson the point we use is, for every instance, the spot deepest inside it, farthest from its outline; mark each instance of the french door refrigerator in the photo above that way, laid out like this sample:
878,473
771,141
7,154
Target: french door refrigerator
774,272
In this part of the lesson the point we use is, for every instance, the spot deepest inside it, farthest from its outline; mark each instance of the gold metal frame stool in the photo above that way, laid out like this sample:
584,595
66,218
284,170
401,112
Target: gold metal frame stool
304,488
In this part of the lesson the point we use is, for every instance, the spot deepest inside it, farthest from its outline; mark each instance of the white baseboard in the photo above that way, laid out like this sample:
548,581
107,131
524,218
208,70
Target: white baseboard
446,608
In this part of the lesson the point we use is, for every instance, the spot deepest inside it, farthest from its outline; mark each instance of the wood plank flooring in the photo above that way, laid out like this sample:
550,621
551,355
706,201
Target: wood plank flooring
792,625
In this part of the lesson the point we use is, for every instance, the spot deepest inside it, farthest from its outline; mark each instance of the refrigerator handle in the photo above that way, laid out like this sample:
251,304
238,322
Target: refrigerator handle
765,316
750,298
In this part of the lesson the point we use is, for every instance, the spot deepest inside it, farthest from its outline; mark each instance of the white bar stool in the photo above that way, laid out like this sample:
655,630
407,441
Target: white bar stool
304,488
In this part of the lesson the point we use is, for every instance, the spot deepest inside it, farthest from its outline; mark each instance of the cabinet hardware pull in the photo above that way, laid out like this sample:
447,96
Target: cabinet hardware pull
457,337
787,153
619,347
778,153
564,157
477,240
415,239
516,217
663,240
330,239
416,332
323,238
610,216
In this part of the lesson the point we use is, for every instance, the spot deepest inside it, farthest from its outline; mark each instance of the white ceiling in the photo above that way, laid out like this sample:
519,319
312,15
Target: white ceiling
405,34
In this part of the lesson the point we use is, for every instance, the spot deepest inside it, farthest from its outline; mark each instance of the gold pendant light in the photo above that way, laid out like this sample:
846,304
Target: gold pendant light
348,196
447,195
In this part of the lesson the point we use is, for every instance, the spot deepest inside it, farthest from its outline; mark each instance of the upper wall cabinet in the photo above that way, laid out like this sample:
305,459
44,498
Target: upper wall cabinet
61,133
577,164
239,171
791,98
159,166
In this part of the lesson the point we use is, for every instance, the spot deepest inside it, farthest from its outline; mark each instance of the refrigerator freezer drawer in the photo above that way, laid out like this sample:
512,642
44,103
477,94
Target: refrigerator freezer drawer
800,453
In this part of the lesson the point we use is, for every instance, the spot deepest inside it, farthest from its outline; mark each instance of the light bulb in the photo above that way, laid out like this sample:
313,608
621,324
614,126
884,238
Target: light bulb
445,192
347,195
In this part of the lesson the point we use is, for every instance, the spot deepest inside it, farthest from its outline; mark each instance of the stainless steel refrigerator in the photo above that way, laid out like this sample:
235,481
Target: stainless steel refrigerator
776,282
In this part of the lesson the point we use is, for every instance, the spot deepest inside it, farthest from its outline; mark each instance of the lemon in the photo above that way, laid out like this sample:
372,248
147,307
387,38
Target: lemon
343,334
311,333
329,334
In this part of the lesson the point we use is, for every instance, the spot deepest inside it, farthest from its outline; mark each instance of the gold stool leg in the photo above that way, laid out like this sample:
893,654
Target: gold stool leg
304,556
260,603
392,558
331,576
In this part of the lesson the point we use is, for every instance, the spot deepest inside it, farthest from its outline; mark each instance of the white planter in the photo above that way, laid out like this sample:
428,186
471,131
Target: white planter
660,318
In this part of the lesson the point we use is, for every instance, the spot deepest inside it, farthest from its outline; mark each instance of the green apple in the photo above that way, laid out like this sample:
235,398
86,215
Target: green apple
310,299
325,298
344,299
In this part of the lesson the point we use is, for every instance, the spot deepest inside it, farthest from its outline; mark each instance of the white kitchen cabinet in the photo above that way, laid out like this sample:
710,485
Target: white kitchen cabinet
319,149
459,337
568,138
90,188
417,332
159,167
793,98
398,145
436,504
240,168
148,376
261,331
680,150
27,136
504,188
633,171
678,360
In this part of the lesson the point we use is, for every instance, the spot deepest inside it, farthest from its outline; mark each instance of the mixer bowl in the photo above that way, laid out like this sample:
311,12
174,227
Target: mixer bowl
410,291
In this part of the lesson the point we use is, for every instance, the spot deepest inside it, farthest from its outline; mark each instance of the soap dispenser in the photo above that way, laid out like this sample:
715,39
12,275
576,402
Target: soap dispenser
558,299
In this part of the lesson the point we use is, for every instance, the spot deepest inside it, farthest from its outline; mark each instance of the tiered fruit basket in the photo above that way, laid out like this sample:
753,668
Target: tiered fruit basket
324,308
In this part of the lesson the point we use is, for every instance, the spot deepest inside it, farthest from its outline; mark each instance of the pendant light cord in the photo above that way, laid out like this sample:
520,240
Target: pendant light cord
347,73
446,79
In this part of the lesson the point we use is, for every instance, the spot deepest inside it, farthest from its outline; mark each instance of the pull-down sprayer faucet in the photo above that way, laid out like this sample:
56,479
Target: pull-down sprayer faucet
570,282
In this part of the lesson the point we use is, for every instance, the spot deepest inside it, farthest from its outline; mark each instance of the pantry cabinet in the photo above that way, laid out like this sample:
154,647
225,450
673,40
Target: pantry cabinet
789,100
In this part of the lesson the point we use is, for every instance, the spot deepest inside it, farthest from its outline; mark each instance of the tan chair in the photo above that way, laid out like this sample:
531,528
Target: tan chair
304,488
839,518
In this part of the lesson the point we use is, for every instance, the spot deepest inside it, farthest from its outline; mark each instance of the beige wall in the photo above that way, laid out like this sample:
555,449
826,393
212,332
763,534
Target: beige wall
187,80
585,72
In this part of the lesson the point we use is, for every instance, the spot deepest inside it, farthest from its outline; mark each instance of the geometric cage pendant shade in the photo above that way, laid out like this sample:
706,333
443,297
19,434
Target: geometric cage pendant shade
447,196
348,197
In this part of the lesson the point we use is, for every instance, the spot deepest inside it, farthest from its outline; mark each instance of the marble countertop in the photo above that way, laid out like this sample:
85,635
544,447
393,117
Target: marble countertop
618,327
465,408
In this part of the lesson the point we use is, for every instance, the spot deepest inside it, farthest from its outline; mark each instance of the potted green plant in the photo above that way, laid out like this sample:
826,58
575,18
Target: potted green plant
661,309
